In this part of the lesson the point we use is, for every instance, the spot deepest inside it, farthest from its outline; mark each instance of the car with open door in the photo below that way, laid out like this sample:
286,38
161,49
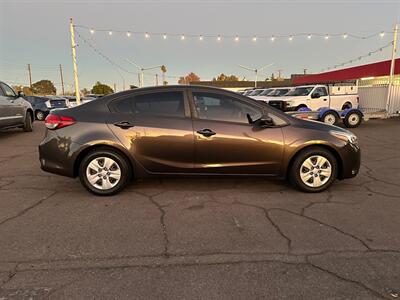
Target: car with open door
192,130
15,111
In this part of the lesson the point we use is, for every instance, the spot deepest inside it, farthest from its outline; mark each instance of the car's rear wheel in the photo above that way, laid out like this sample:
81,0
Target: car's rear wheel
39,115
104,172
28,123
313,170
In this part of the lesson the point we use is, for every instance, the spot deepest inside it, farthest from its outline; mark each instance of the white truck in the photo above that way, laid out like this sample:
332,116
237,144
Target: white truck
315,97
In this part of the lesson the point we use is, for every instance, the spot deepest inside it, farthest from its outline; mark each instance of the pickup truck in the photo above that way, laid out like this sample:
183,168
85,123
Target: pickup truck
315,97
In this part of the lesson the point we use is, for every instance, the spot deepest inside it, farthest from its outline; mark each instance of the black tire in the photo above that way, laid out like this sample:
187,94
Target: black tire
347,105
330,118
353,119
294,171
39,115
28,123
122,162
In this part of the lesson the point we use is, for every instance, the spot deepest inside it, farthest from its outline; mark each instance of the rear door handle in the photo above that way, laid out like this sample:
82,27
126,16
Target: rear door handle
206,132
325,99
124,124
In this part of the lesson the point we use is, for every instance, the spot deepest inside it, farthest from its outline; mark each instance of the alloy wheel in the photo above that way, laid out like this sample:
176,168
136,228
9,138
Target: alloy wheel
315,171
103,173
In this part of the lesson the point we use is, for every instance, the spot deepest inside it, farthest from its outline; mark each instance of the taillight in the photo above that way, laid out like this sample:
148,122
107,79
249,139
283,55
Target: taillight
56,121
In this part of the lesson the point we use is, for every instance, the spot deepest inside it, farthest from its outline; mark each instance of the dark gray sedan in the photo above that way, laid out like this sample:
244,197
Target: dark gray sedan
192,130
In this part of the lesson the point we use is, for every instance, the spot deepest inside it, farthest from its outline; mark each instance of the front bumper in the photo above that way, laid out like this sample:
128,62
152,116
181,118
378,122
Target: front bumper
351,161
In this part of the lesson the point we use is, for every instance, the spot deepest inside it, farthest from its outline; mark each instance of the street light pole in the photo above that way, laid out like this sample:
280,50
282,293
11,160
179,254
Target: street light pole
392,65
255,71
73,47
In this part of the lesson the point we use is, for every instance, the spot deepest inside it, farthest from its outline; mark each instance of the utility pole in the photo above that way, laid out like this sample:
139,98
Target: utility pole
73,47
115,88
392,65
139,82
62,80
156,79
279,73
30,75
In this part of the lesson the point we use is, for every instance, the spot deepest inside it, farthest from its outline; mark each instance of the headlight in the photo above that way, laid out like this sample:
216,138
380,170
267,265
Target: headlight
345,136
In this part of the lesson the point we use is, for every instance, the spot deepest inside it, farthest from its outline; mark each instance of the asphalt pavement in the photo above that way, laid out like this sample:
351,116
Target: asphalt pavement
201,238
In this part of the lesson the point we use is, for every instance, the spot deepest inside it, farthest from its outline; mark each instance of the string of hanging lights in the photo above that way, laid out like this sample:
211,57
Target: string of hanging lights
236,38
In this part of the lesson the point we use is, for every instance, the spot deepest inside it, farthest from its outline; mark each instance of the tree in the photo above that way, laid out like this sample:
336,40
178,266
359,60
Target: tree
25,89
103,89
191,77
44,87
223,77
85,91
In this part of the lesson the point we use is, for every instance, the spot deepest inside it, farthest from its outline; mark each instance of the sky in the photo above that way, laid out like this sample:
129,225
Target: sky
37,32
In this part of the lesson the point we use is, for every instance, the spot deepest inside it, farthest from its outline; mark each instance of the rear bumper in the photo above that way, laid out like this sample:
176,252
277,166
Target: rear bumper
57,155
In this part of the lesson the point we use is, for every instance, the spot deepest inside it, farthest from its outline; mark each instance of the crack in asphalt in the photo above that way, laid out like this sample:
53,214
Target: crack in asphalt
25,210
327,225
162,219
306,261
11,275
342,278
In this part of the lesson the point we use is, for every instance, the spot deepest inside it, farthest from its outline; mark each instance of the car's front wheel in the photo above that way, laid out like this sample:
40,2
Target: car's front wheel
313,170
104,172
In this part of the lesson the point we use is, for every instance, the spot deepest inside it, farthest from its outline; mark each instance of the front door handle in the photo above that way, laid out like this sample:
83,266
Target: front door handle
325,99
124,124
206,132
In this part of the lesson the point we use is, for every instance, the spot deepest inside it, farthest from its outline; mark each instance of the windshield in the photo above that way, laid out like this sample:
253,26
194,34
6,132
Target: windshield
278,92
255,93
266,92
300,91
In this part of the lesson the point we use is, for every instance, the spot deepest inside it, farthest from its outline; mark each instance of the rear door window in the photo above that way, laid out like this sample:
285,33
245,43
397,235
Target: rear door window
169,104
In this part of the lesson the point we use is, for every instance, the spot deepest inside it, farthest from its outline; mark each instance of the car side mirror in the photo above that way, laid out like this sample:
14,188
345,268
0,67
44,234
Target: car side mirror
263,122
316,95
21,94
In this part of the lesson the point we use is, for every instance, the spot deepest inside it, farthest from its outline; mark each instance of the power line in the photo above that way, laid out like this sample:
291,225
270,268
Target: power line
358,58
116,65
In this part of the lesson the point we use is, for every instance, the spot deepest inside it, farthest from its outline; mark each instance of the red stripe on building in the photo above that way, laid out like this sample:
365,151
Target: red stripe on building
371,70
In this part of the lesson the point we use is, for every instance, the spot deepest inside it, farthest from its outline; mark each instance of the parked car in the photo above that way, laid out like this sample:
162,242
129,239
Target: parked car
256,92
181,130
271,93
15,111
72,100
41,106
58,102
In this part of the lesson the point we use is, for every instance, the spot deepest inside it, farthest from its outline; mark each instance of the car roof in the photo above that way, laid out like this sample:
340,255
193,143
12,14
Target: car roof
168,87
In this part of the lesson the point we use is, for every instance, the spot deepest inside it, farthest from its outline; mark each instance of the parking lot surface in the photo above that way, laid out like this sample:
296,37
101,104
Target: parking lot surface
201,238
